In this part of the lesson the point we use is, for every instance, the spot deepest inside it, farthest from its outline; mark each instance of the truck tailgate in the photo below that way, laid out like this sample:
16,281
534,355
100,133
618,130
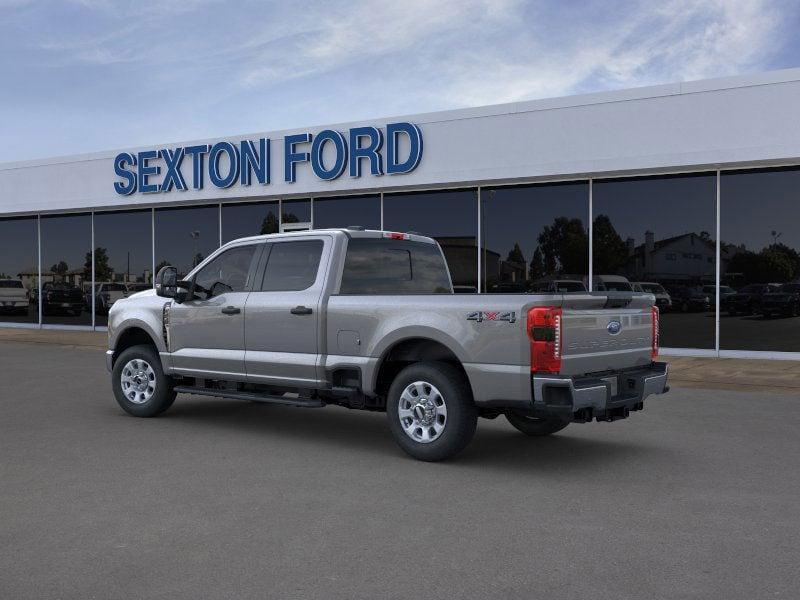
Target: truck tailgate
606,332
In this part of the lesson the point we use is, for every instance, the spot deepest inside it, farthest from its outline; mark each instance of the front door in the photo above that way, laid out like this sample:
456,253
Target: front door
206,333
282,315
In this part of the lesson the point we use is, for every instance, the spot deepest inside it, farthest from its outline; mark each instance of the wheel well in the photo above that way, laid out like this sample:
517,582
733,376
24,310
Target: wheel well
410,351
134,336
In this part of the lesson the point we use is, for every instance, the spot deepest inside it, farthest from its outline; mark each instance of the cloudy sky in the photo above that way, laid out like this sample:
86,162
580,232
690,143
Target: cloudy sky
92,75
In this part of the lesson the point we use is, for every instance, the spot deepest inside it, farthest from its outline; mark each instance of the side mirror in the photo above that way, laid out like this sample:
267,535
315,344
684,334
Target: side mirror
167,282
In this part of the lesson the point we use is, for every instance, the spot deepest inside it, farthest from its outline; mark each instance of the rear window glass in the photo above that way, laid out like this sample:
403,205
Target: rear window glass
10,283
618,286
292,266
379,266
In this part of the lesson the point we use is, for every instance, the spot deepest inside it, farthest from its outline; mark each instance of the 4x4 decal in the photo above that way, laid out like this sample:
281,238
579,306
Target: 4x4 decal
489,315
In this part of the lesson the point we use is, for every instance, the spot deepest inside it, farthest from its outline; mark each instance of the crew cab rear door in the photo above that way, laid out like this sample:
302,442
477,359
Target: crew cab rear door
282,316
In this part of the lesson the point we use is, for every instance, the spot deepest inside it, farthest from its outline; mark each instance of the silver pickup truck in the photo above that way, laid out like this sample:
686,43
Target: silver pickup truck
369,320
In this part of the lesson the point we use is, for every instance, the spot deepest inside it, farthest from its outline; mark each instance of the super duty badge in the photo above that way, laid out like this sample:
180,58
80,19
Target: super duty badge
490,315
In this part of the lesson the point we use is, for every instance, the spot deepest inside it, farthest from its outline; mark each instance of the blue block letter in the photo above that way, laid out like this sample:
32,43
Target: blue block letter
254,161
122,159
370,151
318,147
393,131
290,157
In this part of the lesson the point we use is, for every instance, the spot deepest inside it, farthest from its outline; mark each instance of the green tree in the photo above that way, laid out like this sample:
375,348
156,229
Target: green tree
564,247
515,255
59,268
102,270
537,269
269,224
610,252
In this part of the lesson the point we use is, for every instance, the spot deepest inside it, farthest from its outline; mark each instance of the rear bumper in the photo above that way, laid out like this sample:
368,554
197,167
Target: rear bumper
604,398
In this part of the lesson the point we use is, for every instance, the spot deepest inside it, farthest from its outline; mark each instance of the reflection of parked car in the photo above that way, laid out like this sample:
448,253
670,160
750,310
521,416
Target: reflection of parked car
748,299
725,292
135,288
105,294
784,301
690,299
663,301
13,296
60,297
559,286
611,283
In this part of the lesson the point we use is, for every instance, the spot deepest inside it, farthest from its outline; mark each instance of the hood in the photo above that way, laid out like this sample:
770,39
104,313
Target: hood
142,294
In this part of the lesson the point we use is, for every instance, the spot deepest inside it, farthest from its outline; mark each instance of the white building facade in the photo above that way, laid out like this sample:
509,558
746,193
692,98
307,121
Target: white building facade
686,185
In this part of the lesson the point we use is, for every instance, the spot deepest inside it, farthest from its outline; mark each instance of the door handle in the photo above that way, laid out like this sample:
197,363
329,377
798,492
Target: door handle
231,310
301,310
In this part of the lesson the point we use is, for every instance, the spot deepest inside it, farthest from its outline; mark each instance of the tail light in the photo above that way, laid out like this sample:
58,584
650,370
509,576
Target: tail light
656,326
544,330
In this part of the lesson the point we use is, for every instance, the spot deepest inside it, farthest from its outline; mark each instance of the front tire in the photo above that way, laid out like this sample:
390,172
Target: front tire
140,385
535,426
431,412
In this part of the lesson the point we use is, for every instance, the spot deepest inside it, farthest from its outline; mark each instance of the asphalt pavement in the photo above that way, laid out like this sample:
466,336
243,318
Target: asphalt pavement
696,497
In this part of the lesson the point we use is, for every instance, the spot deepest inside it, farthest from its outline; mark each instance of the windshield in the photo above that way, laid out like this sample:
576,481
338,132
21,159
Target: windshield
790,287
10,283
726,289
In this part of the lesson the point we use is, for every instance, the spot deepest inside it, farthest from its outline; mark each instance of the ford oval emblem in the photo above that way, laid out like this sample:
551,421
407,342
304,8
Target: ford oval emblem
614,327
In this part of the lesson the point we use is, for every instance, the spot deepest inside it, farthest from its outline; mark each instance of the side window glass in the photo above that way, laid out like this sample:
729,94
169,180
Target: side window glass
292,266
226,273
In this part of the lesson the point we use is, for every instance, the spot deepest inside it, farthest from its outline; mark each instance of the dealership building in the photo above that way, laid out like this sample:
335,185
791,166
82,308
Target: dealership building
690,190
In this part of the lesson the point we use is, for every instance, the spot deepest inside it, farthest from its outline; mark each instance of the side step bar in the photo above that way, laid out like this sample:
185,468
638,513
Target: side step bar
254,396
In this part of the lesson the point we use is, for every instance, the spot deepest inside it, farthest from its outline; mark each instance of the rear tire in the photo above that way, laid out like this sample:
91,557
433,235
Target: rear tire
535,426
431,411
140,385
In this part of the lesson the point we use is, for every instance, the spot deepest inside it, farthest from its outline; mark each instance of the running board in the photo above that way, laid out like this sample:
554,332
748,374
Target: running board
253,396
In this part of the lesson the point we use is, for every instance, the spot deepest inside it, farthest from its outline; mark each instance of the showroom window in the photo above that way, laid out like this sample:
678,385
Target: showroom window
185,236
660,230
19,270
295,215
535,238
123,258
252,218
66,269
450,217
760,260
351,210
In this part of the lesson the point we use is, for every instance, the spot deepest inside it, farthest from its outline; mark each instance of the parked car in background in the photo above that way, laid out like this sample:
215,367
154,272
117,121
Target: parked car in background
690,299
105,294
559,286
747,300
14,298
611,283
663,300
60,297
783,301
725,292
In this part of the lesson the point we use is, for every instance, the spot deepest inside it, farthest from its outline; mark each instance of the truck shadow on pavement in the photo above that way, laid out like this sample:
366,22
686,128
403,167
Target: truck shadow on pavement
349,431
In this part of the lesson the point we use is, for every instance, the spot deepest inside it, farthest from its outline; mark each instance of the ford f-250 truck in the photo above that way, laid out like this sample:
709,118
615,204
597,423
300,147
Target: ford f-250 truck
368,320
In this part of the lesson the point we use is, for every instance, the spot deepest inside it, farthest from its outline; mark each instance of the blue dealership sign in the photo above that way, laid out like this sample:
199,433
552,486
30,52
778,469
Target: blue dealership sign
329,152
